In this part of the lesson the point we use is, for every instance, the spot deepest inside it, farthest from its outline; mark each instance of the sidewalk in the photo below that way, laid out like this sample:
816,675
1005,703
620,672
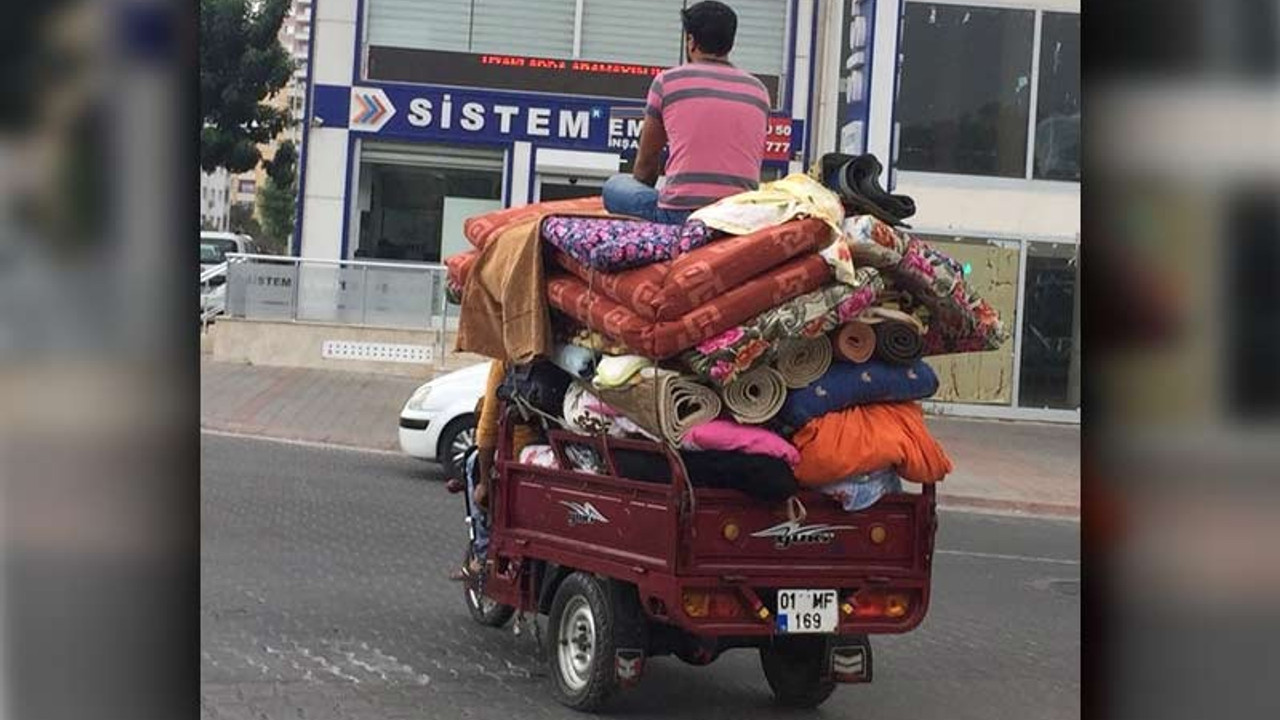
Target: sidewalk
1000,466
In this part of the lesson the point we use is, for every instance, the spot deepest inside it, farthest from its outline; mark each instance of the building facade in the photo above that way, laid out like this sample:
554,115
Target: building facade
215,200
421,113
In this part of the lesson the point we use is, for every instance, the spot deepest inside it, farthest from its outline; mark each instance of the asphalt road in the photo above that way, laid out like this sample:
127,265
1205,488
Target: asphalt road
325,596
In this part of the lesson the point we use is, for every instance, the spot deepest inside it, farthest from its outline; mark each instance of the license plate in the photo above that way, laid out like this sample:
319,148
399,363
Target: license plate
807,611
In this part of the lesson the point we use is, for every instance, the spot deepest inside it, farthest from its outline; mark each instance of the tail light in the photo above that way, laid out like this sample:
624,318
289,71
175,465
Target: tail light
881,604
713,604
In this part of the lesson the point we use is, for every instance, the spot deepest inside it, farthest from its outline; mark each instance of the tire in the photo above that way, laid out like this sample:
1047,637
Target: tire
456,438
793,666
591,618
483,610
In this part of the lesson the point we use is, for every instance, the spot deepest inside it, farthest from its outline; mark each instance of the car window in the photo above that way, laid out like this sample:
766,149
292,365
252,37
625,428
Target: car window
215,251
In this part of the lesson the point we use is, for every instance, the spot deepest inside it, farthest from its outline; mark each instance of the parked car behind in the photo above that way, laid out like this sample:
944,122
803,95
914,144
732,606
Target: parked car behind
438,422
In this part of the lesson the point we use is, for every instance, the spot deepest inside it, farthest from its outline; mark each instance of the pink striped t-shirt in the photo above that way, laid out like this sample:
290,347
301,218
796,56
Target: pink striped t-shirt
716,117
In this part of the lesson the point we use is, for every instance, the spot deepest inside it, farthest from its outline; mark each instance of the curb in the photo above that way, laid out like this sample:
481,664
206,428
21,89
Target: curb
1012,507
258,431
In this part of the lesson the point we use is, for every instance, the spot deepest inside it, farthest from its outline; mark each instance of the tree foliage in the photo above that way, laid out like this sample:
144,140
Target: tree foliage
241,63
242,220
277,198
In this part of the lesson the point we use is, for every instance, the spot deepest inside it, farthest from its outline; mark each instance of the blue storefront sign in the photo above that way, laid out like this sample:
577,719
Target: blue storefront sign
449,114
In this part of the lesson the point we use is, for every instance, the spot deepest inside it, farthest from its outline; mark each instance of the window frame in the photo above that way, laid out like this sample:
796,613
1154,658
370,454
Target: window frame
1028,179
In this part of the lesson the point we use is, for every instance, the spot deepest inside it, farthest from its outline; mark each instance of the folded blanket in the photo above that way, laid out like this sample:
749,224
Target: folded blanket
863,491
725,356
457,268
960,321
610,245
867,438
504,305
803,360
615,371
847,385
664,338
482,229
730,436
672,289
856,179
586,414
898,342
774,203
854,342
664,403
756,396
760,477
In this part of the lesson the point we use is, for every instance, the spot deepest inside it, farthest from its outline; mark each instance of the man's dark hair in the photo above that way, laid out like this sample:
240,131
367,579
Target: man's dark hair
712,26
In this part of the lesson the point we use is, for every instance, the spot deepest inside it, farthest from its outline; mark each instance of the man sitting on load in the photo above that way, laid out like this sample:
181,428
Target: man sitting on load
712,115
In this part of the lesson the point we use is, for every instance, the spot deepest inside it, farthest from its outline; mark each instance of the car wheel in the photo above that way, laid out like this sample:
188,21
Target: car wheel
591,619
793,667
455,440
483,609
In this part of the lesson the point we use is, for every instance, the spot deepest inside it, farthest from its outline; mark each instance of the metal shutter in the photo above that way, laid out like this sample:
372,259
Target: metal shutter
646,32
424,24
517,27
542,28
761,42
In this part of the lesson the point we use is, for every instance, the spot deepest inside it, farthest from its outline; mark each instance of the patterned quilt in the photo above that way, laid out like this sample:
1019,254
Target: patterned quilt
668,291
664,338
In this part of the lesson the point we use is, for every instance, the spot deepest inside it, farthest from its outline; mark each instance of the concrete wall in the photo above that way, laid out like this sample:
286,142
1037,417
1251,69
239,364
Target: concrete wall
298,344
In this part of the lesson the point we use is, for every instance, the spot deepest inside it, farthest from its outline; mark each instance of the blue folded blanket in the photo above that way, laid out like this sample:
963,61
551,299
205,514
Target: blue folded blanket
846,385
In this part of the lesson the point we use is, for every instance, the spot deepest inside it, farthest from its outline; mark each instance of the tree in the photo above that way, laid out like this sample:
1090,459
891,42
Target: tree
277,198
243,221
241,63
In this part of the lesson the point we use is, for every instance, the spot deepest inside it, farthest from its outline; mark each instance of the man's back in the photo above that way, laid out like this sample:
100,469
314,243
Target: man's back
715,117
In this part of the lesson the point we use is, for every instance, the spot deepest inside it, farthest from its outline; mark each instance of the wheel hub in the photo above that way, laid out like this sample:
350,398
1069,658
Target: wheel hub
577,643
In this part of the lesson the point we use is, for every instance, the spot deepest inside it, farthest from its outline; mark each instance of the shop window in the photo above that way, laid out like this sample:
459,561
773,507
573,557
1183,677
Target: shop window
991,270
1050,373
413,208
566,188
1057,153
965,117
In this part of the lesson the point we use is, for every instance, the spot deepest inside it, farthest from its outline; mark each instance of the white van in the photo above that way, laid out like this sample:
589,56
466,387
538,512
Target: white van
215,245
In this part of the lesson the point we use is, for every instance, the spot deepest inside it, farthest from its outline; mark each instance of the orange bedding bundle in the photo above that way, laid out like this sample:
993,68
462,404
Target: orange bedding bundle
867,438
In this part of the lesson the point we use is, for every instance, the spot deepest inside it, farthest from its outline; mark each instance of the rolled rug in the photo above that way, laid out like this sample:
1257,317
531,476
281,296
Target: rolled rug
664,403
756,396
898,342
802,360
854,342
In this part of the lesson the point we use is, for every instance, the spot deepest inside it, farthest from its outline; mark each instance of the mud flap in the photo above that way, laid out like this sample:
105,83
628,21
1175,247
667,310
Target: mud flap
851,660
629,665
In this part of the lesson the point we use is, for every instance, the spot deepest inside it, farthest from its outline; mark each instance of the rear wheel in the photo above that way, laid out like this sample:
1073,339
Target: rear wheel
793,666
455,440
591,619
483,609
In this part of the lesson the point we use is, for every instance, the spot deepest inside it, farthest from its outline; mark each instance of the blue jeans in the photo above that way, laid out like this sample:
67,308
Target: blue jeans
625,195
479,518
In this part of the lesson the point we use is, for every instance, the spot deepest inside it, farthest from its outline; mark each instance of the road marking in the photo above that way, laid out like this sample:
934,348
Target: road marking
998,556
301,443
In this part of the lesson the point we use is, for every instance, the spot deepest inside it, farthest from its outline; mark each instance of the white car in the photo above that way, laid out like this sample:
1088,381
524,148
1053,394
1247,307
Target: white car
439,423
